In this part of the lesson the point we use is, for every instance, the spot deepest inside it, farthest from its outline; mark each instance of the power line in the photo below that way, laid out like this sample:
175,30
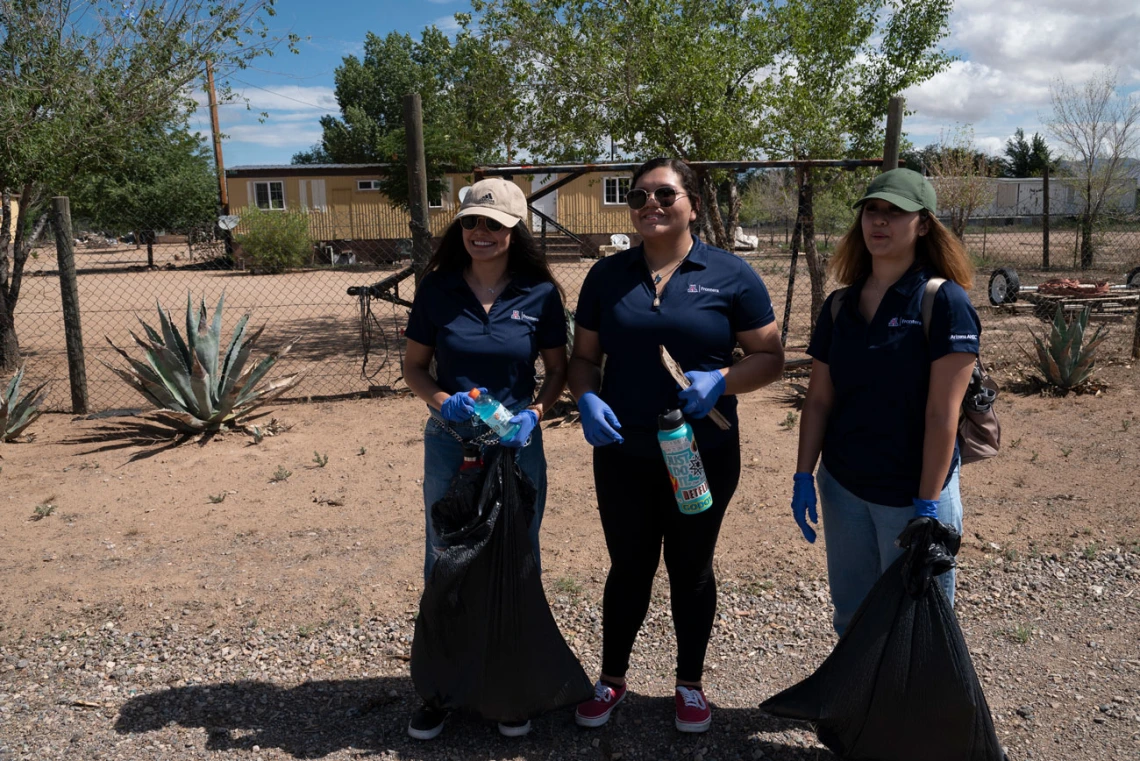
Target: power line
280,95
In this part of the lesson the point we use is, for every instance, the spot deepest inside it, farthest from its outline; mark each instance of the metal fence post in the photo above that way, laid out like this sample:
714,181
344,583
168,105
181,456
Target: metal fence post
1045,219
69,293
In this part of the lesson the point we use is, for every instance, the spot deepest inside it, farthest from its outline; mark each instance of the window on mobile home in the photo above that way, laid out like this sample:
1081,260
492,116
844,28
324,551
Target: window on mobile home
269,195
615,191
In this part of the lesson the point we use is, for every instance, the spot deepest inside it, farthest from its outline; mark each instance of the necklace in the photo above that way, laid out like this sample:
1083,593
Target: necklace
659,275
477,286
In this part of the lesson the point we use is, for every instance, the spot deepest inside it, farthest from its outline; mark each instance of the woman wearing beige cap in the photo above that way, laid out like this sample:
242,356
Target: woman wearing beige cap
487,308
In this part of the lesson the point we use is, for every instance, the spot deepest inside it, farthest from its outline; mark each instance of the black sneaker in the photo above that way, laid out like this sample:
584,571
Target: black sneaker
514,728
427,722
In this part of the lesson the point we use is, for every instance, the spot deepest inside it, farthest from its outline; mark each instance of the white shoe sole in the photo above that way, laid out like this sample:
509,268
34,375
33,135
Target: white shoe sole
426,734
694,726
509,731
597,721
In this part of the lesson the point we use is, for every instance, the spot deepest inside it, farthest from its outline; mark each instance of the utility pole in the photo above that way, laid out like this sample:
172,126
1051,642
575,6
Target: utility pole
894,133
223,196
417,183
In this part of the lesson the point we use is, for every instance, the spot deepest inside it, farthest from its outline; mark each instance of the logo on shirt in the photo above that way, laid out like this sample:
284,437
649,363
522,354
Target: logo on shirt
695,288
517,315
963,337
897,321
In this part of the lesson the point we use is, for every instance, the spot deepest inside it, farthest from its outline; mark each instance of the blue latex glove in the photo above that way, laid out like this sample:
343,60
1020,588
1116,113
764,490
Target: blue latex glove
458,408
599,423
925,508
699,398
803,503
526,420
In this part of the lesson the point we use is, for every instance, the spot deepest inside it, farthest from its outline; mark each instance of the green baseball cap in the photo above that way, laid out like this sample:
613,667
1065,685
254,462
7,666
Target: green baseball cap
905,188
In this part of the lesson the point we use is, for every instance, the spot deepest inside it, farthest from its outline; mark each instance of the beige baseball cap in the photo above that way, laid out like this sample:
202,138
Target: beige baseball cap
495,198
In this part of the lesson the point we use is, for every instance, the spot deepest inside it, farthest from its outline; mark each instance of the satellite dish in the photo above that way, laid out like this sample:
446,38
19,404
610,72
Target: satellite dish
463,191
228,221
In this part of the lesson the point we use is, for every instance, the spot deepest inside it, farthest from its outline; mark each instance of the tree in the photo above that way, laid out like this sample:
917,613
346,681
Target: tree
467,99
80,77
1027,158
1098,130
682,78
961,175
839,63
166,181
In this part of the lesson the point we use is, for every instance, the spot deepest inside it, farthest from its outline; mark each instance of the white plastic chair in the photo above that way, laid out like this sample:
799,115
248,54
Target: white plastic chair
620,241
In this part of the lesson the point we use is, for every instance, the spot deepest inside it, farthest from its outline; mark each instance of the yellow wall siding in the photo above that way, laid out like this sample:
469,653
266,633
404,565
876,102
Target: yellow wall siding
581,207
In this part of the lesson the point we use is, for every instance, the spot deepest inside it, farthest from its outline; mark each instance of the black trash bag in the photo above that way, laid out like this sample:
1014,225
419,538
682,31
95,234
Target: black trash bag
485,639
900,684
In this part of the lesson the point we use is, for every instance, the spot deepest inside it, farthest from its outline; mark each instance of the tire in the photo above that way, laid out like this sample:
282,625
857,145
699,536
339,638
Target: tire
1133,278
1004,286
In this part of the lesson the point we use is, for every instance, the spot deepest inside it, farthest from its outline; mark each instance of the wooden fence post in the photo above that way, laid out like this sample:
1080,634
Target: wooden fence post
69,293
894,133
1045,219
1136,335
417,183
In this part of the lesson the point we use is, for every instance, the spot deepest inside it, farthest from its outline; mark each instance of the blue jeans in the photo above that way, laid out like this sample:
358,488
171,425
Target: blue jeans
443,456
860,539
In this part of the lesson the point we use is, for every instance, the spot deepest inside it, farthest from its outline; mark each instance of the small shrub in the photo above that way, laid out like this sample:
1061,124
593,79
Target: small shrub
320,459
361,452
16,414
217,499
279,475
42,511
568,585
1021,633
275,241
789,422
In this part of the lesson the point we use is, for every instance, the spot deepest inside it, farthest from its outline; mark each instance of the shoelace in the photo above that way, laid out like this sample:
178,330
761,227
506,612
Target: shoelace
603,692
692,698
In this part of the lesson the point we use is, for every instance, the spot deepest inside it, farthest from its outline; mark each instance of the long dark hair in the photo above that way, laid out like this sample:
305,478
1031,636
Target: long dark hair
689,182
523,256
939,249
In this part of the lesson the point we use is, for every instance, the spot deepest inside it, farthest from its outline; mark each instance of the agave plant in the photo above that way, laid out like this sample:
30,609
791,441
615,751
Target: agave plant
16,414
195,388
1066,360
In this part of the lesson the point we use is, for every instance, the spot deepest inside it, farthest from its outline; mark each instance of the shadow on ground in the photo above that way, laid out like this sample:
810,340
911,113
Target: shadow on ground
367,716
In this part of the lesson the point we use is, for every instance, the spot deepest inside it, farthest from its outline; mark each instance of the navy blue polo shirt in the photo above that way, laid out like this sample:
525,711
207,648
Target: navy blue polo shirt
881,375
712,296
495,350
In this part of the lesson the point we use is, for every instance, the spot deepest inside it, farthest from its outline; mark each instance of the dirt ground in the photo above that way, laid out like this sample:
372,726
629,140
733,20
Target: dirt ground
320,527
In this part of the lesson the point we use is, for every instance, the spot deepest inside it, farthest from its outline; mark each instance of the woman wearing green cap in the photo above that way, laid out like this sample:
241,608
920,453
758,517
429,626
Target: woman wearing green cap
882,405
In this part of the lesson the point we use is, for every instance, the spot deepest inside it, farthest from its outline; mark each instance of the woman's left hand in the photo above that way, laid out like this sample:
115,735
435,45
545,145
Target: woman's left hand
700,397
526,420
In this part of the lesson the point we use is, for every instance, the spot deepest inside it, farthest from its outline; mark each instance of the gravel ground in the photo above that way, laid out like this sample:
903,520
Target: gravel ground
1055,639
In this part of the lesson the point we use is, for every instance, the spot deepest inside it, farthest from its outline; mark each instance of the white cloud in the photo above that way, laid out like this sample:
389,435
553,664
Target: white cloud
446,24
288,98
275,134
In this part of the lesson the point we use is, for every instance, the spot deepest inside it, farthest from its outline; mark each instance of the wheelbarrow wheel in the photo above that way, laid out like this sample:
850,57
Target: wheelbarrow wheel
1133,279
1004,286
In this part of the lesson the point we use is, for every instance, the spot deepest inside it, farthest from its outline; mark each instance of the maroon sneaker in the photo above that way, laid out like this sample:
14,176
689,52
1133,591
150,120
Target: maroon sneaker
693,713
596,712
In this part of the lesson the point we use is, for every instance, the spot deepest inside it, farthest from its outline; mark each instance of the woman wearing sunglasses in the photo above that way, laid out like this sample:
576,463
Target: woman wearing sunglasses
486,309
886,387
699,302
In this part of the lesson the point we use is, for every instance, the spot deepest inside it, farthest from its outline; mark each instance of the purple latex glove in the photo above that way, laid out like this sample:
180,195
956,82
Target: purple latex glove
458,408
803,504
524,423
925,508
700,397
599,423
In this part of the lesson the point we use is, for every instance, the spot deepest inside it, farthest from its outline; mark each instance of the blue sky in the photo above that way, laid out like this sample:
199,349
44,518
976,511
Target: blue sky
1011,51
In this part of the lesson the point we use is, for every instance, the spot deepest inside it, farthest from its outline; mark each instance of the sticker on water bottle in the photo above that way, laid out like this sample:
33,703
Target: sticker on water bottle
687,475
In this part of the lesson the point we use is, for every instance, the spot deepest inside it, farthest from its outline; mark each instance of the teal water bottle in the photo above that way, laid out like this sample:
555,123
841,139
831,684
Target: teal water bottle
493,413
686,470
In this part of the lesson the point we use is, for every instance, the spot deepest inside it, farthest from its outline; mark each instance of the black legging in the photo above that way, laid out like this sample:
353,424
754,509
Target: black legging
639,513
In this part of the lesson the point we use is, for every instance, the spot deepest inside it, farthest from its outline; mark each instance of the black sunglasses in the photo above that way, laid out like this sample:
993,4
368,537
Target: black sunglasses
665,195
470,222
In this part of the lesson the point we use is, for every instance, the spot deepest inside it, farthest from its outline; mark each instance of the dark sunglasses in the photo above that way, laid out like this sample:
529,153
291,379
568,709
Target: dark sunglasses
472,221
665,195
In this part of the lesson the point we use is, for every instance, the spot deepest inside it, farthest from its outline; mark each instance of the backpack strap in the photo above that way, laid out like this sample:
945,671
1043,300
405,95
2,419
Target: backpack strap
930,290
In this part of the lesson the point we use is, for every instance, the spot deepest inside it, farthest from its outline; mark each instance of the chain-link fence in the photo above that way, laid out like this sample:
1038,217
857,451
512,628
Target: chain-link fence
125,278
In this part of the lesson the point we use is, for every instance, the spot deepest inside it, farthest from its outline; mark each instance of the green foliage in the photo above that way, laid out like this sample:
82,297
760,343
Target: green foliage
217,499
789,421
43,510
279,475
275,240
197,387
17,413
466,93
1027,158
164,180
320,459
1065,359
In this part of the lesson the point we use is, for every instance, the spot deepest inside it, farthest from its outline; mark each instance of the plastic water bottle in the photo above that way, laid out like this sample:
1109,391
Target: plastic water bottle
493,413
686,471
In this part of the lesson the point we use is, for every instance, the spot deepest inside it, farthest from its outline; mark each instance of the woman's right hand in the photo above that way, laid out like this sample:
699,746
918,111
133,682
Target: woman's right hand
458,408
803,504
599,423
